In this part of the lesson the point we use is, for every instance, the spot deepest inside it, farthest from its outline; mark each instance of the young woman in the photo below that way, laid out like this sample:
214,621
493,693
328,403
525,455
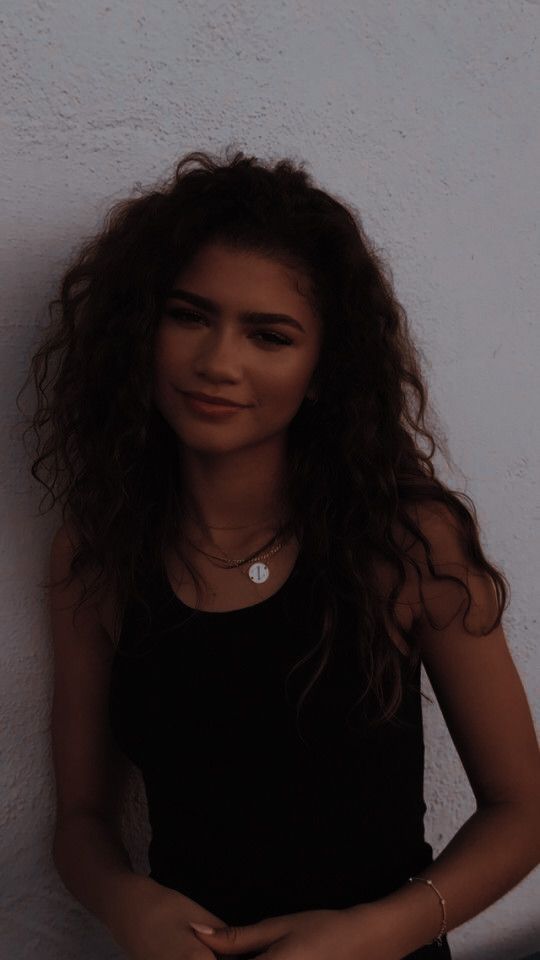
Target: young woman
244,588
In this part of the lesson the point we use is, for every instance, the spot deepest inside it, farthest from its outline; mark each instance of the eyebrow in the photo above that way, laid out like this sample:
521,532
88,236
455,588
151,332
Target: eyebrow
251,316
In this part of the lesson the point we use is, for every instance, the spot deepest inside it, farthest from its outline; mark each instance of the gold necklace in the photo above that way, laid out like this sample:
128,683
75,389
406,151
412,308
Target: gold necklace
258,571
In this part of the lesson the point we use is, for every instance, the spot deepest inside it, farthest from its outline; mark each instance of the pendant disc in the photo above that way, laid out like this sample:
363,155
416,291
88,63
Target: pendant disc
258,572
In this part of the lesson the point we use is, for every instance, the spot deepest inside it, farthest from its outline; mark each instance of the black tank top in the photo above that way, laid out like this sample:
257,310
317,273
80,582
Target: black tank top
255,813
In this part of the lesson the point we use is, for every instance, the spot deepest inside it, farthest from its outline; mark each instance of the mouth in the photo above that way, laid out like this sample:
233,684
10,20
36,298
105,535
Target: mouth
218,401
210,410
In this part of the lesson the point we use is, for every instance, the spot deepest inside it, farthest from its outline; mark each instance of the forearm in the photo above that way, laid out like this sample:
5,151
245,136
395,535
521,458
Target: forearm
493,850
95,867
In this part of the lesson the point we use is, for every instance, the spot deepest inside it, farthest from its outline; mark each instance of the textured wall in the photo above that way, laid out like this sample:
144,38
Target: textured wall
424,114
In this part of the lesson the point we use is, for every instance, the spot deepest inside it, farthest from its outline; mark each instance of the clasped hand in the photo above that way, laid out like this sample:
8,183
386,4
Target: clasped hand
358,933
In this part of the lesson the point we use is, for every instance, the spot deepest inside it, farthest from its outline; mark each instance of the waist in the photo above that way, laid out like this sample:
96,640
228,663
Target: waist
243,886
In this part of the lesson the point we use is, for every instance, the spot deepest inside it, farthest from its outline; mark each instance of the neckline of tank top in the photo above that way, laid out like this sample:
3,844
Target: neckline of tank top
174,598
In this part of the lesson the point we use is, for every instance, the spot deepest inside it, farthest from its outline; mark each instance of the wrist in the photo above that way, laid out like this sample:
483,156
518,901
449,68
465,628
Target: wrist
407,919
371,926
134,899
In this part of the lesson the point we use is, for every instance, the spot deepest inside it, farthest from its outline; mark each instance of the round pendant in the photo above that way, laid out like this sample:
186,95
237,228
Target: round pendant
258,572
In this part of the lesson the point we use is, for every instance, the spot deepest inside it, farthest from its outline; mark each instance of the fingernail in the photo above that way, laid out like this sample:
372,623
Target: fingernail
201,927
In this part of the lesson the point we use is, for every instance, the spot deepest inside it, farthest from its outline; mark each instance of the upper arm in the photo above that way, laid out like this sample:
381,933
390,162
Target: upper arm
474,678
90,770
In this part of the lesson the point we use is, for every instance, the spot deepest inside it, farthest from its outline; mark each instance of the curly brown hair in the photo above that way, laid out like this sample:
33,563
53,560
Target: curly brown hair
356,469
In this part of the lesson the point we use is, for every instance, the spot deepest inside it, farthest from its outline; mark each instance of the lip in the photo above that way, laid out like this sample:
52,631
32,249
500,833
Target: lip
213,411
205,398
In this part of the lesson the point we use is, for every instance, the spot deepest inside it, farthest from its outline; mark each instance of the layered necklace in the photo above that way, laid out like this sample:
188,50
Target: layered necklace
258,571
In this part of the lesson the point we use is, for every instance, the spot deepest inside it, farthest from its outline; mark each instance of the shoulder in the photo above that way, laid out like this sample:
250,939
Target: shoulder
64,546
424,591
436,524
451,579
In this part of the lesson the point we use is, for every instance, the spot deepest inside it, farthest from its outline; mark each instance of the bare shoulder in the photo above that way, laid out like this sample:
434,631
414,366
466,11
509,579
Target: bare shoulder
438,525
444,593
435,524
101,605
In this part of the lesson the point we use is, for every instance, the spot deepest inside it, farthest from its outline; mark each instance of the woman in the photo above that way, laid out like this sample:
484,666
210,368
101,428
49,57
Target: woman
268,570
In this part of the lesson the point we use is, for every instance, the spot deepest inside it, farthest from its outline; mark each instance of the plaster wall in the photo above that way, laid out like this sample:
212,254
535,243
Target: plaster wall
424,114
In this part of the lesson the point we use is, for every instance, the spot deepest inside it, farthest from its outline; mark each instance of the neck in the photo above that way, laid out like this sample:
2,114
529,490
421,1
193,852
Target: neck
231,539
237,498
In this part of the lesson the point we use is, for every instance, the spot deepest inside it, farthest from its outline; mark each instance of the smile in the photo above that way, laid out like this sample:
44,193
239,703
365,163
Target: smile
213,411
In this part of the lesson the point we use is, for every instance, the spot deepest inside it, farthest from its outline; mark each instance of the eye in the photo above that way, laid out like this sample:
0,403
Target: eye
277,341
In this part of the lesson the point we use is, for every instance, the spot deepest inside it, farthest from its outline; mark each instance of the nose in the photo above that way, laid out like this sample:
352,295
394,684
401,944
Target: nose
219,356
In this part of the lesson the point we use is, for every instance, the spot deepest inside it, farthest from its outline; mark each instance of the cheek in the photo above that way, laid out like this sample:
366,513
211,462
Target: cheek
289,384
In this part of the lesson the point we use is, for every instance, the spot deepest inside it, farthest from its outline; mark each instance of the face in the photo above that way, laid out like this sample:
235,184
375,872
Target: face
223,346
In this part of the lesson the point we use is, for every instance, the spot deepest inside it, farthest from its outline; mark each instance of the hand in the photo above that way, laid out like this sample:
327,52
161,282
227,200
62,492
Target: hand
309,935
159,927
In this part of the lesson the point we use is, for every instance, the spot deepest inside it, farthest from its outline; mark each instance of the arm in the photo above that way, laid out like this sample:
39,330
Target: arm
495,848
144,917
484,705
95,868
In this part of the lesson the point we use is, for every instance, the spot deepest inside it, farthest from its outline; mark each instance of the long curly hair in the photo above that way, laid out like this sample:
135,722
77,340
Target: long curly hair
356,467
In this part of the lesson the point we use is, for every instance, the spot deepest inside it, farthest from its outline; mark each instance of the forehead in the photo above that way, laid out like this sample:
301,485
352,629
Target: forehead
232,276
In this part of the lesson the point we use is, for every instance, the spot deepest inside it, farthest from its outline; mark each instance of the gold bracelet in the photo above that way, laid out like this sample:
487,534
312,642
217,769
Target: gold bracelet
442,931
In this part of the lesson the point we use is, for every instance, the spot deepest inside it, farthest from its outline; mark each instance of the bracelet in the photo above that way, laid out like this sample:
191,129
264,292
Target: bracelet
442,931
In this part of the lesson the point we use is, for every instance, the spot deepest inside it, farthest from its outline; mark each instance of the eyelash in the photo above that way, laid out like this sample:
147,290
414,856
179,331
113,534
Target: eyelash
280,342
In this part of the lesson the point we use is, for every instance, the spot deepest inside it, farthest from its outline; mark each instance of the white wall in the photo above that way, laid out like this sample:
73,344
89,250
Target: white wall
422,113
